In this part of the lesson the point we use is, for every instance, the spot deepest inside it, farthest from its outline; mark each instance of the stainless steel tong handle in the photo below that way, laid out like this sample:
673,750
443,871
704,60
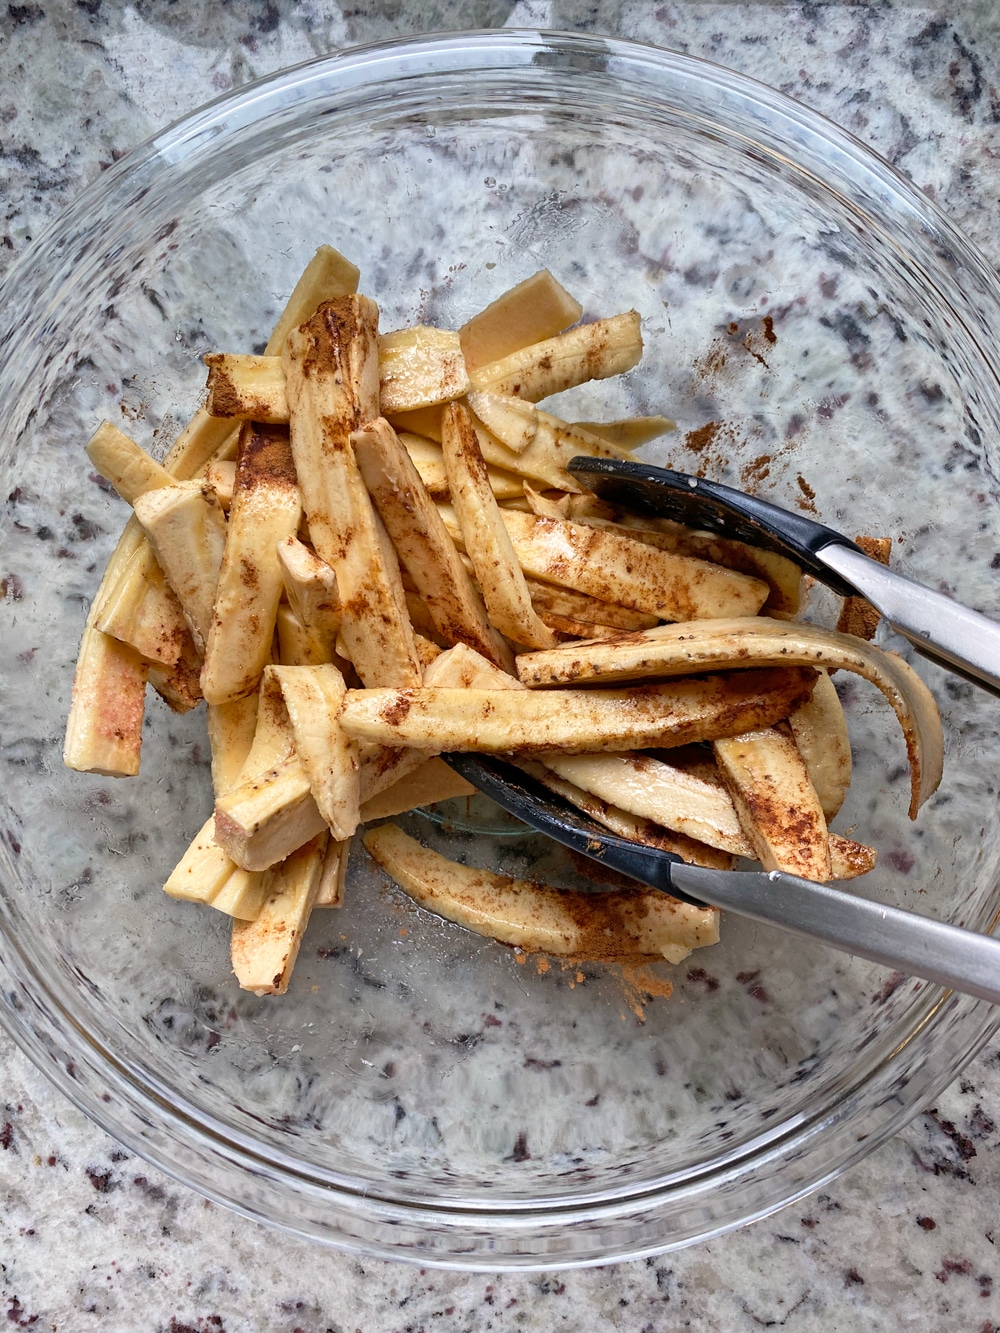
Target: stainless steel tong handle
953,635
917,945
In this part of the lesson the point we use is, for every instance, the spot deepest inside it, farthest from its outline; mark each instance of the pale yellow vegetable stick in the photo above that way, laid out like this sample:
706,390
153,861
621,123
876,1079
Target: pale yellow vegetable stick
626,825
578,721
311,586
428,459
820,730
231,729
641,923
737,642
432,781
512,420
313,696
297,646
267,816
265,510
777,804
617,569
419,367
128,467
333,876
186,529
422,542
536,309
589,352
629,432
485,535
264,950
143,611
104,729
332,368
247,387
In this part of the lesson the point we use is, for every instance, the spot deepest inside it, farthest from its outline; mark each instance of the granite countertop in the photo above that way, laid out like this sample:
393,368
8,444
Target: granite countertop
91,1237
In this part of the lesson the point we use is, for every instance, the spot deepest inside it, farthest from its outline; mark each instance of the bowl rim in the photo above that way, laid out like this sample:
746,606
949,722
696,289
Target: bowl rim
128,1105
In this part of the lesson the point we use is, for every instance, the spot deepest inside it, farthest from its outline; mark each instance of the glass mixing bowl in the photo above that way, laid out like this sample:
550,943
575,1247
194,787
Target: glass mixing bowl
817,329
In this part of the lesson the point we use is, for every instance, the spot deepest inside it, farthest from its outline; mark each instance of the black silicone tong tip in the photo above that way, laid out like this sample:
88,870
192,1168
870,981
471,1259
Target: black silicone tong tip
703,504
520,795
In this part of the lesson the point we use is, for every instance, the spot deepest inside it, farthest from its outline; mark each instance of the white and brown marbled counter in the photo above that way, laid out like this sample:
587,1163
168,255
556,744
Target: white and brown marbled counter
90,1236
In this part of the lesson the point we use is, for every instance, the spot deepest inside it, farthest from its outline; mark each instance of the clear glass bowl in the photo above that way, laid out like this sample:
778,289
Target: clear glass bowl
817,328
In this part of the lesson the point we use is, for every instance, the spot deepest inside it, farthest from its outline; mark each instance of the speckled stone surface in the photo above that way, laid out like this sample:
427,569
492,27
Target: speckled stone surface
91,1237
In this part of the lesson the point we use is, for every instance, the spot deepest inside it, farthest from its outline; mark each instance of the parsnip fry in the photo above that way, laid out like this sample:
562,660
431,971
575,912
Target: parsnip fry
589,352
422,542
248,387
264,950
627,825
231,729
670,650
221,476
118,459
296,645
617,569
536,309
265,510
179,685
313,697
205,874
432,781
186,528
549,599
311,586
333,875
777,804
143,611
332,368
578,721
820,730
485,535
630,432
512,420
104,729
614,926
268,816
327,275
419,367
552,446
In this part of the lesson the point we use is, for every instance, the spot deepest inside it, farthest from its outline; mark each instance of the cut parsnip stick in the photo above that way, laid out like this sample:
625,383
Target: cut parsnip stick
577,721
186,529
333,875
268,816
422,542
179,685
536,309
608,927
549,599
297,646
660,792
578,629
628,433
512,420
264,950
327,275
118,459
313,697
589,352
311,586
627,825
432,781
544,459
205,874
777,804
104,729
143,611
820,730
332,368
231,729
266,509
670,650
485,535
419,367
428,459
616,569
221,476
248,387
422,421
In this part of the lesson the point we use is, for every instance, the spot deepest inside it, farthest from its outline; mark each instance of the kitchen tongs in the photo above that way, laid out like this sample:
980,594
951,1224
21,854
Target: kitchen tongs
957,638
952,635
